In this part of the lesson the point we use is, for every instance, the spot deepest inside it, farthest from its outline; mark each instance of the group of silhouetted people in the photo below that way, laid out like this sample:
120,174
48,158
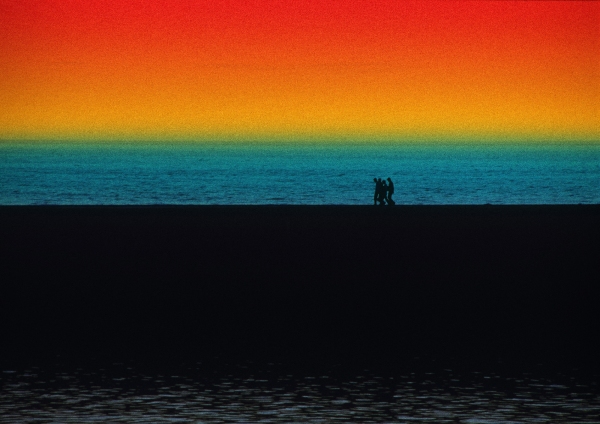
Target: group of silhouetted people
383,192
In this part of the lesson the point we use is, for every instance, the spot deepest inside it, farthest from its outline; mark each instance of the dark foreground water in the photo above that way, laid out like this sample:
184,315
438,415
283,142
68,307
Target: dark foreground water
220,392
142,174
206,314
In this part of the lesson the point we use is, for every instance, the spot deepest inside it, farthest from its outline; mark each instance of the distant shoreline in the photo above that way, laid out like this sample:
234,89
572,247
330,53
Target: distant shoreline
311,206
487,211
300,212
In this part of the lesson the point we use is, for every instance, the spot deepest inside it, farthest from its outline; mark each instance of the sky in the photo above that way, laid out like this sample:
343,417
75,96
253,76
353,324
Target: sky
300,70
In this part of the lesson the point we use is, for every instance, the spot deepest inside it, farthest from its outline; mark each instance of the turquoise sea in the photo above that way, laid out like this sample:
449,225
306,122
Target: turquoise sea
89,173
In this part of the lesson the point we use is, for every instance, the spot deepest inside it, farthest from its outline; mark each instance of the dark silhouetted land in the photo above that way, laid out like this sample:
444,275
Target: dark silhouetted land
314,283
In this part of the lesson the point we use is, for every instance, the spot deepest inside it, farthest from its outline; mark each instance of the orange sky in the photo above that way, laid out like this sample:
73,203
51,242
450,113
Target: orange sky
327,70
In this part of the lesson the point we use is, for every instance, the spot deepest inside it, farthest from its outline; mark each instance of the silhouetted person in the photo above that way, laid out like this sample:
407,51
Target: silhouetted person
384,189
390,192
376,195
379,192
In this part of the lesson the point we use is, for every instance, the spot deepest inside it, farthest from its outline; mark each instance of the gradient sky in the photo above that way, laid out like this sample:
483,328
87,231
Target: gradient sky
311,69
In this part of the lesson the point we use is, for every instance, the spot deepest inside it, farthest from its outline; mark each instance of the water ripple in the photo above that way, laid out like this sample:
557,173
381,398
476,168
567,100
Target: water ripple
243,394
154,174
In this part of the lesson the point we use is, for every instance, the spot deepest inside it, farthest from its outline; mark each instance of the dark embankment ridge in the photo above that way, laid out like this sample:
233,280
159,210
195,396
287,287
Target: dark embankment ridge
314,283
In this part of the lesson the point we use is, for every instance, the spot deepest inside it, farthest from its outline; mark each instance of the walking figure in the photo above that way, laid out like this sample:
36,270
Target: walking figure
380,192
377,190
384,191
390,192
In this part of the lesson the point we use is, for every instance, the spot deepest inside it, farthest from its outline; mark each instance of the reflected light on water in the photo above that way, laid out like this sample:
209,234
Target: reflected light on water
270,393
